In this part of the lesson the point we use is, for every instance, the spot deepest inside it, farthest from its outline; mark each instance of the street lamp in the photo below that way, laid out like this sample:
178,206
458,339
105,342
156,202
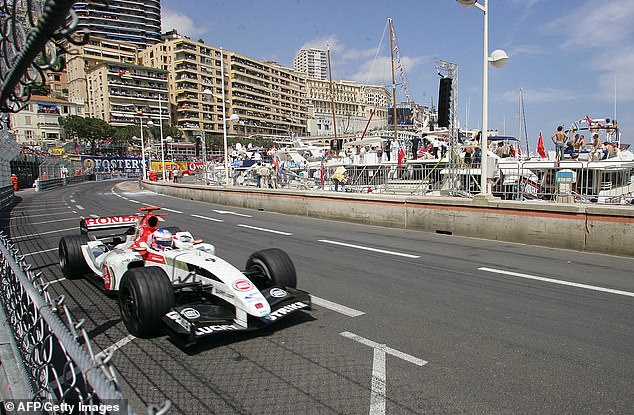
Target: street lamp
149,124
203,138
161,133
168,139
498,59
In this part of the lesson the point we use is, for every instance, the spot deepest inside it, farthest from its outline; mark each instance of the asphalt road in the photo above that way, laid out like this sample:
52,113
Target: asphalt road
404,322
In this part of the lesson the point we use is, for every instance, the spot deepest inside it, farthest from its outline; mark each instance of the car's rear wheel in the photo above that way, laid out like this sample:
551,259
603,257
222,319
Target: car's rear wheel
71,259
145,295
273,265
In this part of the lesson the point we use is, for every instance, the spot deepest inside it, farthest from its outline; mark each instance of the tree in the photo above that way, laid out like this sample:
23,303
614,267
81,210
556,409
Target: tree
87,130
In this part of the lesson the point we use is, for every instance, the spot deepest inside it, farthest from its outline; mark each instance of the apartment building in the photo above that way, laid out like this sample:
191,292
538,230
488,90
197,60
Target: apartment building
353,107
122,94
135,21
312,62
81,59
38,122
268,98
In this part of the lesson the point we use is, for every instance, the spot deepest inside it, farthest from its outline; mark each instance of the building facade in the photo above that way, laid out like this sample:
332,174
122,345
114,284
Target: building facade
121,94
38,122
267,97
356,107
135,21
81,59
312,62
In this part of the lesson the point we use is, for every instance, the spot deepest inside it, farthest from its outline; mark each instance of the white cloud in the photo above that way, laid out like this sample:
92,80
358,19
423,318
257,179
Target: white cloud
597,24
171,19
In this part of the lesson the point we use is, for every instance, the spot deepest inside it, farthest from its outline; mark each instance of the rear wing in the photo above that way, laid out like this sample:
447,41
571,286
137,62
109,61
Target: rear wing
107,223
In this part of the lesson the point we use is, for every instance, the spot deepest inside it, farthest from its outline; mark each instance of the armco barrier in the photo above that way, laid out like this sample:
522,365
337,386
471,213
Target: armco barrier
47,184
6,196
592,228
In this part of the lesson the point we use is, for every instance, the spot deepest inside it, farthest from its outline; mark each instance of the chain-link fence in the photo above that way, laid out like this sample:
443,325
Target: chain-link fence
55,356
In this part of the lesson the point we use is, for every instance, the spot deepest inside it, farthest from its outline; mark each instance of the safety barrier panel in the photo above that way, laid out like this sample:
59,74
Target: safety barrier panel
47,184
54,365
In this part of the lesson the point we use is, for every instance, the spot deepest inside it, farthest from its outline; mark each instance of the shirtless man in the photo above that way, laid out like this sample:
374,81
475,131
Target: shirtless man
559,138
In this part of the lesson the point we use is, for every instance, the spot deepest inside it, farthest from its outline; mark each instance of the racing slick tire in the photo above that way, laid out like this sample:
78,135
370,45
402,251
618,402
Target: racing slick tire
71,259
145,295
275,265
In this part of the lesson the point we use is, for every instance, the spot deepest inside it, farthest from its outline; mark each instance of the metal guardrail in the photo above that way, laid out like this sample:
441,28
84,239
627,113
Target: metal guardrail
59,365
47,184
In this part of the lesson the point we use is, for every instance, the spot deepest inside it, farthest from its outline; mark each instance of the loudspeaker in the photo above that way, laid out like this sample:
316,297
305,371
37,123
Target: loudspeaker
444,102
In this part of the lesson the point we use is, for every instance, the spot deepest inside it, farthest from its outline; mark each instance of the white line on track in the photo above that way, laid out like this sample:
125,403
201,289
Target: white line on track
127,339
57,280
350,312
367,248
171,210
40,252
554,281
205,217
80,207
228,212
264,229
134,201
388,350
44,233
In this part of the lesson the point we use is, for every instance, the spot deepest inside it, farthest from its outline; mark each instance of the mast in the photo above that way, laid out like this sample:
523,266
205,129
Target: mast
332,96
393,74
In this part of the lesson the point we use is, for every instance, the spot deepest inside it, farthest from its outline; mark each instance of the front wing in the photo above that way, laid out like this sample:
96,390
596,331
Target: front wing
188,323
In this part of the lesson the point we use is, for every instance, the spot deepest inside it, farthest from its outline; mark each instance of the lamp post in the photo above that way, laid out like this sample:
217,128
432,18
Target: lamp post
161,133
224,117
206,93
498,59
149,124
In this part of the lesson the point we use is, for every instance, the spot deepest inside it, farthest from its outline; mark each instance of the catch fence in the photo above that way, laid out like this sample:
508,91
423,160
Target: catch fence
54,356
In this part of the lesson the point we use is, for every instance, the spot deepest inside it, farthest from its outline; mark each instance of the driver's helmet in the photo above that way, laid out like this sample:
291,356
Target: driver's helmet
161,239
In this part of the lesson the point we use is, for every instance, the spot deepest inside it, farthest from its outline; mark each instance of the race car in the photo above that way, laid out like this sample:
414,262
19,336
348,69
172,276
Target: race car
166,278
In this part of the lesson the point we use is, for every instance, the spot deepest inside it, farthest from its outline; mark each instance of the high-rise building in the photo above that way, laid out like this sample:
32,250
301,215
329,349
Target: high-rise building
121,94
270,99
134,21
83,58
313,62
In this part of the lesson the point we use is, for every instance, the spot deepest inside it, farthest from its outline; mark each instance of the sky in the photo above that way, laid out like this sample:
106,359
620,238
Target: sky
570,58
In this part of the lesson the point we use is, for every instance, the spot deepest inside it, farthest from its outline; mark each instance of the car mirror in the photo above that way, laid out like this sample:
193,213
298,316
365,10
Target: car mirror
197,241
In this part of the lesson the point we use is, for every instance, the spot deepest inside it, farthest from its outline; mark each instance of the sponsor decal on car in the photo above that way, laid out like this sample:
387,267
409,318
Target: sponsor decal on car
190,313
287,309
222,293
277,293
215,329
242,285
175,315
110,220
151,257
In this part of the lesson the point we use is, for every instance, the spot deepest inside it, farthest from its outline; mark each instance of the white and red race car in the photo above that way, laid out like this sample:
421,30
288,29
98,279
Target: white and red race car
186,287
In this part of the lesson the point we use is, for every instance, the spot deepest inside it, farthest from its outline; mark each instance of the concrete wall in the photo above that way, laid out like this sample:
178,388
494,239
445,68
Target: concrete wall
593,228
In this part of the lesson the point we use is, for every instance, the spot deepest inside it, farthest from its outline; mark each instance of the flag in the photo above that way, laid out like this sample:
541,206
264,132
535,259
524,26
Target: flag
540,146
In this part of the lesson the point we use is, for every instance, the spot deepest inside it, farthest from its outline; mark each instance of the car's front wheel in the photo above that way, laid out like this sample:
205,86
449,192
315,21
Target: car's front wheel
145,295
71,259
274,265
